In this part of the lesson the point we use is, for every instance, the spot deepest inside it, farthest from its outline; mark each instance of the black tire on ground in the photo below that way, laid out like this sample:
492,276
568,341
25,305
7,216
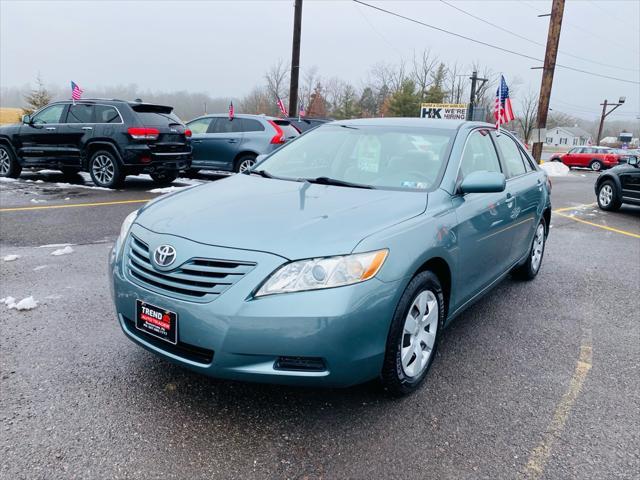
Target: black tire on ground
105,169
530,268
243,163
595,165
164,178
9,165
608,196
393,377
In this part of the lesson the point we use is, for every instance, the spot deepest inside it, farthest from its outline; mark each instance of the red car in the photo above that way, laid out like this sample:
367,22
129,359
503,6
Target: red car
595,158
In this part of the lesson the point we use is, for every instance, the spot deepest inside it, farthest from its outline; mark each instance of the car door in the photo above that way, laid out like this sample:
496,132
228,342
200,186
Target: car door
41,139
224,138
630,181
76,132
571,157
199,141
525,189
484,220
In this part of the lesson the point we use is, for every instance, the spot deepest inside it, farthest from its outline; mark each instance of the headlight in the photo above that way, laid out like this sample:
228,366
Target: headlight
318,273
126,226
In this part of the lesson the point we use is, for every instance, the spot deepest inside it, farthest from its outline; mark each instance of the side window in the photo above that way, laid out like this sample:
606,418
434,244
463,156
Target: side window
106,114
224,125
250,125
80,113
512,157
50,114
199,126
479,154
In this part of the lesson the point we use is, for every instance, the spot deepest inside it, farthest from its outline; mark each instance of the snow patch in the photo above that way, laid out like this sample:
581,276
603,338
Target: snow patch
10,258
73,185
168,189
27,303
63,251
7,179
555,169
53,297
40,267
35,200
56,245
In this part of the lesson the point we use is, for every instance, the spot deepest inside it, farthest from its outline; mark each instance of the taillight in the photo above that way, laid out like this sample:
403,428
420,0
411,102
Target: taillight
142,133
278,138
187,133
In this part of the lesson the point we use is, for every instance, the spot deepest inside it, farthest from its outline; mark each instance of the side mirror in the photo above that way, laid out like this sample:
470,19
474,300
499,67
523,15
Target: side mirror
483,182
26,119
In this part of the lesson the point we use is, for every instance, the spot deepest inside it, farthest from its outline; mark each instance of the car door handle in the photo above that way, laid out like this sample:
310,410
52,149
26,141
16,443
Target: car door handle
196,141
510,199
539,182
232,140
87,128
50,128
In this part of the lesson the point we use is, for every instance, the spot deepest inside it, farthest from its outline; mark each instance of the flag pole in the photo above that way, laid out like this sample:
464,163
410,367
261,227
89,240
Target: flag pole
499,104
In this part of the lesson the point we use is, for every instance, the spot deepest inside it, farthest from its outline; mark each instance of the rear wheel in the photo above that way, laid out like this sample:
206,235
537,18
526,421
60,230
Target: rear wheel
595,165
105,170
164,178
414,334
9,166
607,198
529,269
244,163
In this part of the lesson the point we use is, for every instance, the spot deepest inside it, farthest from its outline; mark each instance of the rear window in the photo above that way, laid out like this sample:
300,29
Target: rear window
288,129
156,115
107,114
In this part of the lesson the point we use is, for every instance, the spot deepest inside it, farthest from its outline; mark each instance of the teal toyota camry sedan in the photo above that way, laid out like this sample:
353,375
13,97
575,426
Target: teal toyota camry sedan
338,259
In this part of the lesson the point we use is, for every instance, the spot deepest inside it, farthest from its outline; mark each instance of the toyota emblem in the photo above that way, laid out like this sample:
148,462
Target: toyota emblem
164,255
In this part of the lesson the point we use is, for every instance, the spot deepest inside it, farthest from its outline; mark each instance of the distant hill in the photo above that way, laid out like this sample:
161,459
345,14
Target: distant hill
10,115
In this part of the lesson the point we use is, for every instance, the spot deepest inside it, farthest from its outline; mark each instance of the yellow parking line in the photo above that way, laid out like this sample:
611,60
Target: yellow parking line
604,227
534,468
577,207
73,205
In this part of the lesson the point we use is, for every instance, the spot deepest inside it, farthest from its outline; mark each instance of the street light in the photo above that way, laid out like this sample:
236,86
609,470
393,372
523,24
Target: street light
605,114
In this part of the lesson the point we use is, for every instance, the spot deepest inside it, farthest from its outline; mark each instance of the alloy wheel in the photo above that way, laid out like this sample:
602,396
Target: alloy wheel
596,166
538,247
103,169
246,165
419,334
606,195
5,162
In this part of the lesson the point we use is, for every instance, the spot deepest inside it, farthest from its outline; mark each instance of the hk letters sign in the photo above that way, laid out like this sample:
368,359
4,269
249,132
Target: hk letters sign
448,111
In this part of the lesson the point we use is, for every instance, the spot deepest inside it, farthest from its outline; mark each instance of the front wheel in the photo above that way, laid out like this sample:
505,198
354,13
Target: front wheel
164,178
530,268
9,166
595,165
413,336
105,170
607,198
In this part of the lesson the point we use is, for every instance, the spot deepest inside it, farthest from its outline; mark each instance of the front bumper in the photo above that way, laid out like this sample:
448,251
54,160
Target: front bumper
237,337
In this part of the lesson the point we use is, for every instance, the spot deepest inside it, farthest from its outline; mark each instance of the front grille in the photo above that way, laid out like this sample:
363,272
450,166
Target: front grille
196,279
181,349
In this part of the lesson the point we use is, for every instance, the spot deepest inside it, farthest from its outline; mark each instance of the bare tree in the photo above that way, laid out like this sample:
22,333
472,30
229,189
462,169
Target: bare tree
310,80
527,115
456,83
422,71
277,78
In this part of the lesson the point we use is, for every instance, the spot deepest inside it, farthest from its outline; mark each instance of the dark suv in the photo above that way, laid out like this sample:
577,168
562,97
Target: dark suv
108,138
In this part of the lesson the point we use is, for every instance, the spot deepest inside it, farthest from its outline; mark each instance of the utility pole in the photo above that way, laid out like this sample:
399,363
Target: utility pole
472,99
605,114
553,39
295,58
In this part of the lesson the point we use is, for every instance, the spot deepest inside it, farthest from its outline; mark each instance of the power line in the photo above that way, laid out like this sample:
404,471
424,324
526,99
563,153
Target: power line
496,47
533,41
618,19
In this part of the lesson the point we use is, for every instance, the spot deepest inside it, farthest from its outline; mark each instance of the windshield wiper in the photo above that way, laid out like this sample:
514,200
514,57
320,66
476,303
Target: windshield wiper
262,173
335,182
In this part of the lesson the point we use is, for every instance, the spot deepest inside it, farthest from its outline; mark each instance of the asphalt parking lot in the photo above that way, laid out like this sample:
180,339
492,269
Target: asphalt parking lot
537,380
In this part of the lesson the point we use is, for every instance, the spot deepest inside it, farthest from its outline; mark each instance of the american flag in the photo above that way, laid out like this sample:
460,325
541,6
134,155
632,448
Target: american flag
503,112
231,111
282,107
76,91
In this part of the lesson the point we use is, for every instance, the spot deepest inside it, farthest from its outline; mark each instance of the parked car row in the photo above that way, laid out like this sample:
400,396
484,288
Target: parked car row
619,185
111,139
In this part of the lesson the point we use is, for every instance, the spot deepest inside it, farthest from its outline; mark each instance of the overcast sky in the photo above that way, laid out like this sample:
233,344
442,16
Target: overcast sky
224,47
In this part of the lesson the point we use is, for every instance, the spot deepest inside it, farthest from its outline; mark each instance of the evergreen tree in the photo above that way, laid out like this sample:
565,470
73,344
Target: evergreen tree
436,92
37,98
317,107
405,102
348,104
368,103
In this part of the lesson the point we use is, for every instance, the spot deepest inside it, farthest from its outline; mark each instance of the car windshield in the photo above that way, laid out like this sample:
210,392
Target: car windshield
375,156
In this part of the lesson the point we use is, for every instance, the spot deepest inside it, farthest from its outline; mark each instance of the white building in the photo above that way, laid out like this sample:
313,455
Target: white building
567,137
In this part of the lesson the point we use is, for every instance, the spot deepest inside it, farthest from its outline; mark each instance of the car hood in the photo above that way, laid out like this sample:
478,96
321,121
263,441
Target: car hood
292,219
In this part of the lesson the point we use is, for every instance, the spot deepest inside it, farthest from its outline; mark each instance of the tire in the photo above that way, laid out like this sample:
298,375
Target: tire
244,163
608,197
400,377
164,178
595,165
9,165
105,170
530,268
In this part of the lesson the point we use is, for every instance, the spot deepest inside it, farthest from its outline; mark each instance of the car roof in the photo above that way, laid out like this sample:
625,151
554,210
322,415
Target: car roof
240,115
411,122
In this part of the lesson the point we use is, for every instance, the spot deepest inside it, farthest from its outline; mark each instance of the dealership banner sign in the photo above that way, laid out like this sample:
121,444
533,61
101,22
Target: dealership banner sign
447,111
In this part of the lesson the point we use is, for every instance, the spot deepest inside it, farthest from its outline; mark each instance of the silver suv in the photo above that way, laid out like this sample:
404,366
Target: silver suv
220,143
